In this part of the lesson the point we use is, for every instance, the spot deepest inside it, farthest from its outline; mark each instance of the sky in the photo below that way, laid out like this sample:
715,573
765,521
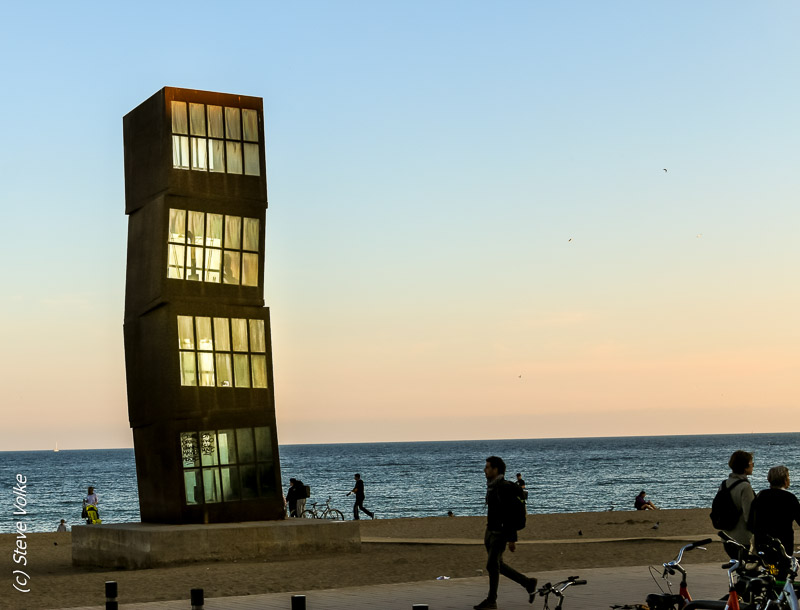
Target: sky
471,233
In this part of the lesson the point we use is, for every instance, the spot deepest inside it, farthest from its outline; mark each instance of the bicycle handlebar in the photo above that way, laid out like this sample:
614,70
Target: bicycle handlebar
689,547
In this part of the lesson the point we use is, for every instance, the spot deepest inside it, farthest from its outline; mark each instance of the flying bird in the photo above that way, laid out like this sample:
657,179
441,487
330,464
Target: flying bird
665,170
570,239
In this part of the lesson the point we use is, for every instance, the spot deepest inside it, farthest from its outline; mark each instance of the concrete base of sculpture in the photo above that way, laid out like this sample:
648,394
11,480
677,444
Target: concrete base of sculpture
147,545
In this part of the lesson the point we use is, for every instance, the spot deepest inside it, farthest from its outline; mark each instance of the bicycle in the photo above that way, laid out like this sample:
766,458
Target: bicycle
671,601
328,512
558,590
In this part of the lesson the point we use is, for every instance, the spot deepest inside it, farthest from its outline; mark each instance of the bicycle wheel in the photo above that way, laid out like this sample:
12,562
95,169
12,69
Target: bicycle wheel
334,514
308,514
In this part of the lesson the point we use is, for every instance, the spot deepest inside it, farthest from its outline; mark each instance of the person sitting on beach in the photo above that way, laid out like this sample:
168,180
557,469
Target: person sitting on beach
774,510
641,504
62,527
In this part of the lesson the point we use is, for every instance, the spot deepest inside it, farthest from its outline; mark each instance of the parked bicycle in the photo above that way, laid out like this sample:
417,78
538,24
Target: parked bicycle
326,512
558,590
669,600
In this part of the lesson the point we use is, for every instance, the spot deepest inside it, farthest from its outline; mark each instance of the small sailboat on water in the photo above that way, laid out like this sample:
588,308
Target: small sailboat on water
56,449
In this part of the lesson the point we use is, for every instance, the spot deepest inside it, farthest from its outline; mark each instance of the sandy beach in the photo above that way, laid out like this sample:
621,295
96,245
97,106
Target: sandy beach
393,550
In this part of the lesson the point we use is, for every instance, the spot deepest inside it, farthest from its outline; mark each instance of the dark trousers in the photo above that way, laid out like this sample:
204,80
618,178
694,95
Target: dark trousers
360,504
495,544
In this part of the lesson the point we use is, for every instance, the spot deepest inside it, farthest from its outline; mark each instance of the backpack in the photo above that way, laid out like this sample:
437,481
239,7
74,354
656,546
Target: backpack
724,513
516,512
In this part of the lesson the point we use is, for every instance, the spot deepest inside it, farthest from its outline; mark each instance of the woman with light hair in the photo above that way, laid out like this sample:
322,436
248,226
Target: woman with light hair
775,510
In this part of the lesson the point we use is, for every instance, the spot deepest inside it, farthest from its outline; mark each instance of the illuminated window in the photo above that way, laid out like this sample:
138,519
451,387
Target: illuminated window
227,465
212,248
222,352
216,139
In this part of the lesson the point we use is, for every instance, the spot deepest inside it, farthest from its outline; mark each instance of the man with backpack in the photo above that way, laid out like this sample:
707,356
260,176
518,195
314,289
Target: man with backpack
505,516
731,506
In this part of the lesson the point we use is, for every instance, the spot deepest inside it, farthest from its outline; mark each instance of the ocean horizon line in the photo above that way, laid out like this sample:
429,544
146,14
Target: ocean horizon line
464,440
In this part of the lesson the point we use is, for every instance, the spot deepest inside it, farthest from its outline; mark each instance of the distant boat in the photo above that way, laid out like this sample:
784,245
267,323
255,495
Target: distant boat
56,449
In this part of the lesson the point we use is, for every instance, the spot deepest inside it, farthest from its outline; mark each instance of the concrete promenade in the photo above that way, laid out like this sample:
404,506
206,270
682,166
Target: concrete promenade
605,587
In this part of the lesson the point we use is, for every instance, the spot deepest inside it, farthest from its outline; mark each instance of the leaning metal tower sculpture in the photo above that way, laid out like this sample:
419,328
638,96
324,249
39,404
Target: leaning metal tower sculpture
197,334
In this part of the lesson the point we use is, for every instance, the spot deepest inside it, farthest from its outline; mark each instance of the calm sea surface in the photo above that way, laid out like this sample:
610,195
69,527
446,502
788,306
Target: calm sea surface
425,479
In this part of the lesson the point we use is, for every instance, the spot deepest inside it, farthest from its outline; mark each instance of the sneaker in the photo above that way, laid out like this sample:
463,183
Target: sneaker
531,589
486,605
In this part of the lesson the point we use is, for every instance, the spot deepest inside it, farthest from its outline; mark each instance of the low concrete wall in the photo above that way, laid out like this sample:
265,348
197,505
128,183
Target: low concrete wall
144,545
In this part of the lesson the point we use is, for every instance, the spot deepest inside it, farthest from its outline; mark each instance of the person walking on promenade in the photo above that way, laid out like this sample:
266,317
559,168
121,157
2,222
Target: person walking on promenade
359,491
775,510
741,465
500,532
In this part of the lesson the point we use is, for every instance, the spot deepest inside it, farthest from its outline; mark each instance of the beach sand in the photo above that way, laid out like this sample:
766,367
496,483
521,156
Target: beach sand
393,550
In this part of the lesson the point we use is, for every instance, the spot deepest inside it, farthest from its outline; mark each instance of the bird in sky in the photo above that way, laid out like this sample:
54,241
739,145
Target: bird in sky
665,170
570,239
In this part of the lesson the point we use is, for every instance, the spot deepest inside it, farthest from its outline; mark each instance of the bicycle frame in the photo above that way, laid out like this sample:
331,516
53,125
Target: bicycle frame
558,590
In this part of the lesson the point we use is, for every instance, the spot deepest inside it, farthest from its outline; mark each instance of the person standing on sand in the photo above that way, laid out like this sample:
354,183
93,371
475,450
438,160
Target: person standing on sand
62,527
741,465
500,533
359,491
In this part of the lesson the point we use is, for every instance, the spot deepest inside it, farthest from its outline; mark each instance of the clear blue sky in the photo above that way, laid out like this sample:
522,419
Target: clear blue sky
428,164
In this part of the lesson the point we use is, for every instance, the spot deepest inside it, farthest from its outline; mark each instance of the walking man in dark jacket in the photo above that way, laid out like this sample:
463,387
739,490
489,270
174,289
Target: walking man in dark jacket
500,531
359,491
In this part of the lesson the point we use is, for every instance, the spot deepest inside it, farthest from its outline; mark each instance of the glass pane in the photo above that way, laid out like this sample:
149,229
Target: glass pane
180,152
233,127
185,332
259,371
241,370
197,119
224,371
257,343
234,154
230,273
227,446
213,264
247,450
205,365
233,232
251,234
195,233
222,335
230,484
215,122
266,479
188,372
263,444
214,230
250,124
208,448
249,482
177,226
239,326
204,341
179,122
175,261
216,155
194,264
194,491
249,269
199,153
252,167
190,450
211,485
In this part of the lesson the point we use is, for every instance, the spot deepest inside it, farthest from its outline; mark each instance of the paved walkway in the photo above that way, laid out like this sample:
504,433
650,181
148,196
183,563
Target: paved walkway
606,586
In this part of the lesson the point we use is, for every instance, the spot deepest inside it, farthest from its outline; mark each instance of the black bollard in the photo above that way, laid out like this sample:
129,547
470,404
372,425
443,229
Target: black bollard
197,599
298,602
419,606
111,595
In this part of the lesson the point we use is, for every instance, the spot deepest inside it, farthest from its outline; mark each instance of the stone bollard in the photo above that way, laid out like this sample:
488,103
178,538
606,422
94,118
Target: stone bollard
111,595
197,599
298,602
419,606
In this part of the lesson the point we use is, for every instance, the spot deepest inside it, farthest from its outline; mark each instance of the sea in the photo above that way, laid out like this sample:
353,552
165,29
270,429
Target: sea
423,479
